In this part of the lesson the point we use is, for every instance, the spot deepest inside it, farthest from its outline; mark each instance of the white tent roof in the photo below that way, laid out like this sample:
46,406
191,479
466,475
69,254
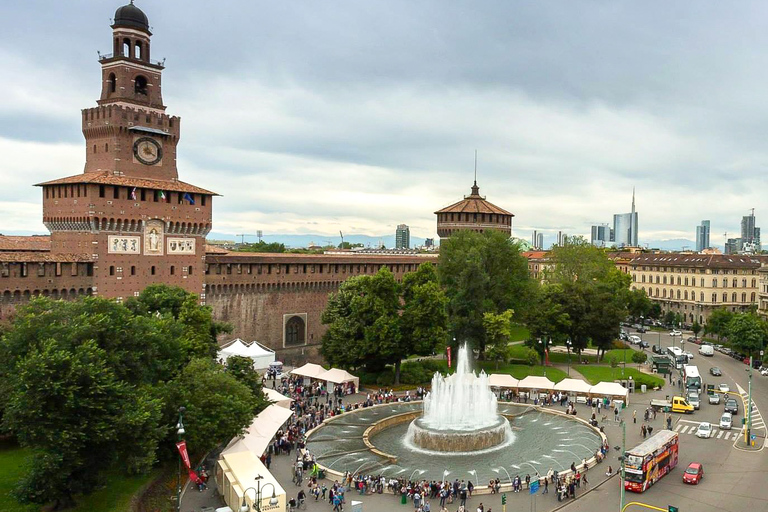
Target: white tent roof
573,385
337,376
310,370
256,349
502,380
536,382
609,389
277,397
236,347
260,355
262,430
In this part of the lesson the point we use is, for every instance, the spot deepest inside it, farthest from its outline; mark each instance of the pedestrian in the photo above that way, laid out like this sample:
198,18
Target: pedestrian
642,430
615,414
650,430
546,487
634,416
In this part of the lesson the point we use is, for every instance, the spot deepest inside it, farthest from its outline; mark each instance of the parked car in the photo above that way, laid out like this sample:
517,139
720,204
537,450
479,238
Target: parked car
694,339
693,473
673,332
688,355
644,344
714,399
726,421
732,406
706,350
657,349
715,371
724,388
639,328
704,431
764,371
635,340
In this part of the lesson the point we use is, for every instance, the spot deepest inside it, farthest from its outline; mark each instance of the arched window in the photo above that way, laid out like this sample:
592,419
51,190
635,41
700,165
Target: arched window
664,291
701,296
126,47
714,298
294,331
678,294
685,295
657,292
743,296
112,82
725,282
137,50
643,279
714,282
754,282
725,297
665,279
753,297
140,85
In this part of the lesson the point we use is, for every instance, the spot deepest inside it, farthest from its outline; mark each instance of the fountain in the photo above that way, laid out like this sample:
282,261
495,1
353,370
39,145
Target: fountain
460,413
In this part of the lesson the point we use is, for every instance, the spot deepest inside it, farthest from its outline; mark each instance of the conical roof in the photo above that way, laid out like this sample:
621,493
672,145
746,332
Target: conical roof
474,203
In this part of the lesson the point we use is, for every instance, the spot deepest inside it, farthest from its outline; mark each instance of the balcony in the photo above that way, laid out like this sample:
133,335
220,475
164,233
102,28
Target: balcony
104,57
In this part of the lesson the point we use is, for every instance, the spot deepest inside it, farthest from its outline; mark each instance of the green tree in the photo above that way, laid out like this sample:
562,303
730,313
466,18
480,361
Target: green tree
638,304
696,328
747,333
482,272
218,406
498,329
241,368
718,321
577,260
639,357
532,357
261,246
655,311
70,406
669,318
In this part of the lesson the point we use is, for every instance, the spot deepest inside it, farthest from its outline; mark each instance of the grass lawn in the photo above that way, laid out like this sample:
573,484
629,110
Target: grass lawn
619,354
114,497
595,374
520,371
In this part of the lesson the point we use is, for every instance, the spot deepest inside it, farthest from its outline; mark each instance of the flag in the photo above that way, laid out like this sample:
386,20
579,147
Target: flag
188,197
161,194
133,193
182,447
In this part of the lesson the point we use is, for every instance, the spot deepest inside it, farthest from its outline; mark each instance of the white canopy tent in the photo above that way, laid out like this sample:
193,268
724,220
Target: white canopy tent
502,380
337,376
261,432
610,389
278,398
236,472
311,370
577,386
536,382
261,355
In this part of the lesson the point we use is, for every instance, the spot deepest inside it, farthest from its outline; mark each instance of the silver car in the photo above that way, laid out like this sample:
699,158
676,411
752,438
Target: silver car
714,399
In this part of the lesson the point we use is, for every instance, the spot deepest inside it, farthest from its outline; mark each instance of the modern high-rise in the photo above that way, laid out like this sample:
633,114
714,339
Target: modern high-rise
602,235
732,246
750,234
625,227
702,236
403,237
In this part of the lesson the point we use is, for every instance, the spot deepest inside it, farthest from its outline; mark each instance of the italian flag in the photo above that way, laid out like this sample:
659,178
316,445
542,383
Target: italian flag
161,194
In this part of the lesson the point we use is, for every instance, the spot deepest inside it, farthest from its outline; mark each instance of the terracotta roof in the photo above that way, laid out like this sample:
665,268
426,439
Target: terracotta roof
107,178
535,255
699,260
474,203
43,257
212,249
25,243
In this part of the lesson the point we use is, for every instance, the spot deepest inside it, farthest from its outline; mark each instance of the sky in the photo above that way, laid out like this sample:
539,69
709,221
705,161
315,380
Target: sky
315,117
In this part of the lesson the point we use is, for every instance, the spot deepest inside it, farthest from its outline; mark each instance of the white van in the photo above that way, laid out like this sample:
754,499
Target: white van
726,421
707,350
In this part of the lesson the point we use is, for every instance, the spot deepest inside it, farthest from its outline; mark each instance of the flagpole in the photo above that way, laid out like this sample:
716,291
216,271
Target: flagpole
180,432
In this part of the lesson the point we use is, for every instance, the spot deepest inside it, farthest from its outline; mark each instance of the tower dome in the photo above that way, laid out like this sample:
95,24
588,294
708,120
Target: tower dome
131,16
473,213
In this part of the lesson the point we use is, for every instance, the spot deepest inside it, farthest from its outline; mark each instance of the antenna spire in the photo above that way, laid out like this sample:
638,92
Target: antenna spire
475,167
475,188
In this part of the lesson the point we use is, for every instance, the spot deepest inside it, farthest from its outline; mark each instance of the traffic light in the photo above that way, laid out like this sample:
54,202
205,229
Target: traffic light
672,508
504,499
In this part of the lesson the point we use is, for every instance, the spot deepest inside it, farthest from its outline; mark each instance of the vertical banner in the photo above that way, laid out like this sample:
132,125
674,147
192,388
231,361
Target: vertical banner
449,356
182,446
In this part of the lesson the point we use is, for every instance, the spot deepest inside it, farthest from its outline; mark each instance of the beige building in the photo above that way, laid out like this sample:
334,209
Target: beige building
762,294
696,284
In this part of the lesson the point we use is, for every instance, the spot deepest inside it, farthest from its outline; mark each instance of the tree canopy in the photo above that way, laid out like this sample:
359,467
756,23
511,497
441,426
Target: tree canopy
482,273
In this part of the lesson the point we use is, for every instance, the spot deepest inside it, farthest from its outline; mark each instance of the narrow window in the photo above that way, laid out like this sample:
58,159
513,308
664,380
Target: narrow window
111,270
133,270
101,191
173,270
112,82
152,270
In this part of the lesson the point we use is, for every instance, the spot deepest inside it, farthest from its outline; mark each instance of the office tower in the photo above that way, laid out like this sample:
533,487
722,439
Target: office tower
601,235
402,237
702,236
732,246
540,240
625,227
750,234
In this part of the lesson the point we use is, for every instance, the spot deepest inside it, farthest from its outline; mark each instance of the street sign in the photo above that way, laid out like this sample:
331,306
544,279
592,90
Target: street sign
534,487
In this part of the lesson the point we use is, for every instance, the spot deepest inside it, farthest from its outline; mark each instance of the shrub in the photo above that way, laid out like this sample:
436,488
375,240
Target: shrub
613,361
532,358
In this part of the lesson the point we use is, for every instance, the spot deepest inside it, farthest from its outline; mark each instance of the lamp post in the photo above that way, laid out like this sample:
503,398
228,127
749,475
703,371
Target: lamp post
257,501
545,341
568,344
179,432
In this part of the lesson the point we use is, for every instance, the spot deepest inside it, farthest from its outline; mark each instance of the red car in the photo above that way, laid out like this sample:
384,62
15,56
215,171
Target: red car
693,473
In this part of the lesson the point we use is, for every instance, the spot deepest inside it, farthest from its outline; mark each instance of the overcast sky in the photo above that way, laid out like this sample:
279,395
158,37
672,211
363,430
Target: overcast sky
311,117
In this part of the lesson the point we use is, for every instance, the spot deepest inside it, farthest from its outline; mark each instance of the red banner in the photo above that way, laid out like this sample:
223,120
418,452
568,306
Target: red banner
182,446
449,356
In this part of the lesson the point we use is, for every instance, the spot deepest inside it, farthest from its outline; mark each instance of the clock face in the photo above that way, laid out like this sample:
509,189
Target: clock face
147,151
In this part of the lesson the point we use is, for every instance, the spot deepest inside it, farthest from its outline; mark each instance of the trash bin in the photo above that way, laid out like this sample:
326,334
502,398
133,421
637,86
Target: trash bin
403,499
642,388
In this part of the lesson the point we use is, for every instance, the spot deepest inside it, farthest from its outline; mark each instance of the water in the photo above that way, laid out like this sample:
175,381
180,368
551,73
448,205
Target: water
462,401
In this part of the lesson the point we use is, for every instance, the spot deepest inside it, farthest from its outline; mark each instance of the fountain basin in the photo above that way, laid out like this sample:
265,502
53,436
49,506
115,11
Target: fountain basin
464,440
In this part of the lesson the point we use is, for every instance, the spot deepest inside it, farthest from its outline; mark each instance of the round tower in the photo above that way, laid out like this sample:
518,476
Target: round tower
473,213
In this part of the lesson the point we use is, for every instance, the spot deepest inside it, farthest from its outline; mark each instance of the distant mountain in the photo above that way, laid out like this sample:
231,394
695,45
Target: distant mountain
296,241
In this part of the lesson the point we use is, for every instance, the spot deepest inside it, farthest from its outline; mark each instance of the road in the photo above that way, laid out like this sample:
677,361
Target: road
734,479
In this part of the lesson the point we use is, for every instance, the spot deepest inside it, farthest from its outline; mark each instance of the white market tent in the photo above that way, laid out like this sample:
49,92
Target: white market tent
277,397
502,380
612,389
573,386
311,370
261,355
261,432
536,382
336,376
235,473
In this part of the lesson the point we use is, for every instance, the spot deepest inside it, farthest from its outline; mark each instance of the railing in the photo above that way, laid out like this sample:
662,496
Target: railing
107,56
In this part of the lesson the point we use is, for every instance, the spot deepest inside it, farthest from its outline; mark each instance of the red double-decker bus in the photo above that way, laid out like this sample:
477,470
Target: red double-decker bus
650,460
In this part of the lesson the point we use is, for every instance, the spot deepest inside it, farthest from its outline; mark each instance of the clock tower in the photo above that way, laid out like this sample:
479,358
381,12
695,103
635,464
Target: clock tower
128,211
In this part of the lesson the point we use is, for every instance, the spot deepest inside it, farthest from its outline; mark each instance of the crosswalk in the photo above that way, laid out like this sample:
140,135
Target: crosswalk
757,419
726,435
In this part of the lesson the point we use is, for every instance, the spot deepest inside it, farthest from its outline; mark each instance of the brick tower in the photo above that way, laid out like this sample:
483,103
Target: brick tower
128,210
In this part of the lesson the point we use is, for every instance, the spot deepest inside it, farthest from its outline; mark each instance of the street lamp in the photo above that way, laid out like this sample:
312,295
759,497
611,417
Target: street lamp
257,501
569,343
545,342
179,432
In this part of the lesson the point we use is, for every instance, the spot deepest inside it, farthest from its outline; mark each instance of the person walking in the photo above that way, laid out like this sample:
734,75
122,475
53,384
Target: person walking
546,486
634,416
